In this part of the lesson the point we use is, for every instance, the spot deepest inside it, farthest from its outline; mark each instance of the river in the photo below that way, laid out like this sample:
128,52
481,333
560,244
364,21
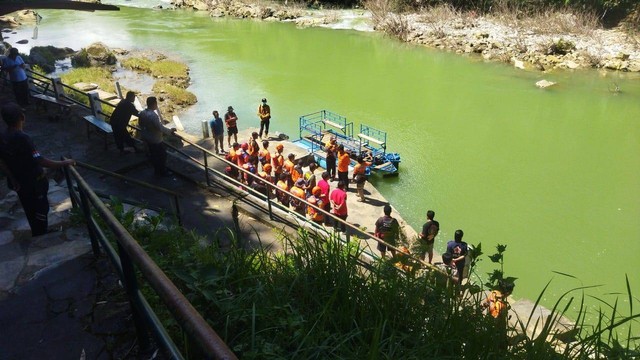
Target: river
554,174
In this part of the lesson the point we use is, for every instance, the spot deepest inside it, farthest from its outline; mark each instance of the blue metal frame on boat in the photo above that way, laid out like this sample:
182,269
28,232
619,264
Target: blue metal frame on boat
317,127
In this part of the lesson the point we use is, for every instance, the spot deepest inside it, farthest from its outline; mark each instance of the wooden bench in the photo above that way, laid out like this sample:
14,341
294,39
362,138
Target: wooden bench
102,127
42,100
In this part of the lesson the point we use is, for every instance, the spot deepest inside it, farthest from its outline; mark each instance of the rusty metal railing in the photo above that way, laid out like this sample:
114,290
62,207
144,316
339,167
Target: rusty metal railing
130,258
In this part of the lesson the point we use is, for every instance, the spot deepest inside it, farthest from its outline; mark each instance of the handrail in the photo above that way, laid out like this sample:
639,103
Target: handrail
274,188
270,186
130,254
174,195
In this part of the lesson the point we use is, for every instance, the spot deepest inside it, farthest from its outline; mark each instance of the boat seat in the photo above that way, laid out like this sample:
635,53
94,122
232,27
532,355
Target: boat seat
370,139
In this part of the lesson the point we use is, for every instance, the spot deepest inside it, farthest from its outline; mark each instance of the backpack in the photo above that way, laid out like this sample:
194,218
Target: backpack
432,231
386,227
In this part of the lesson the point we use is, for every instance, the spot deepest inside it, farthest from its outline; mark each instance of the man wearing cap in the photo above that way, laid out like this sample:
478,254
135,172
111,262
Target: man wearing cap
264,113
230,118
24,165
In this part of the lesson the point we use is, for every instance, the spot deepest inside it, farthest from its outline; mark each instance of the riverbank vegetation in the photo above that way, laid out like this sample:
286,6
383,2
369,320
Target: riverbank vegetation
318,300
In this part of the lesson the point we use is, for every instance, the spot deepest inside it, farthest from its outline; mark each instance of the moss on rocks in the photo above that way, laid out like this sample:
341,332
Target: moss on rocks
171,71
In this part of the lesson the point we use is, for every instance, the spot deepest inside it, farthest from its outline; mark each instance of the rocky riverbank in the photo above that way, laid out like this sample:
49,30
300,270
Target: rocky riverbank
570,44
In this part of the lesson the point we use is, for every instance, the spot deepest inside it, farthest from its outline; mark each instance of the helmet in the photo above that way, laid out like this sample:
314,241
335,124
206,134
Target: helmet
267,168
244,146
316,191
279,147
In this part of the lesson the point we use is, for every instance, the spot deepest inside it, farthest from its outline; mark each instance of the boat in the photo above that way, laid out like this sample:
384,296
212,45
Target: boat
316,129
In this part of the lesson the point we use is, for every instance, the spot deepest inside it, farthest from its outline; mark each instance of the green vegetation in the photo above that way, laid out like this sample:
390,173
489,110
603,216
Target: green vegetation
316,300
177,95
97,75
162,68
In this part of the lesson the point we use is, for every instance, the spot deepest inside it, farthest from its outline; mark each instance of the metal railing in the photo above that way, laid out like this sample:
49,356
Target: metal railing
268,202
174,203
130,257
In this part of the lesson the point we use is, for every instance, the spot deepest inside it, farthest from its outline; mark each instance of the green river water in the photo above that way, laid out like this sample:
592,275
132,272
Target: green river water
554,174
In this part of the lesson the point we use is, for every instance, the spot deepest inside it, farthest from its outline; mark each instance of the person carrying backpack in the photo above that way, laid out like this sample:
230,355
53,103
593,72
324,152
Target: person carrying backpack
387,229
428,235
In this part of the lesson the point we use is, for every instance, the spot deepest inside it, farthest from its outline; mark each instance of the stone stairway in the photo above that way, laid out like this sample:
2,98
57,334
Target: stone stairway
23,258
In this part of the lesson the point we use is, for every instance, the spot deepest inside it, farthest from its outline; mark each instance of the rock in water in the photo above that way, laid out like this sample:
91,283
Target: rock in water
518,64
543,84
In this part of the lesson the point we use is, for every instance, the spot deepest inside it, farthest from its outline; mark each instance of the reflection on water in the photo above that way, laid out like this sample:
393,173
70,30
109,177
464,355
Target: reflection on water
131,80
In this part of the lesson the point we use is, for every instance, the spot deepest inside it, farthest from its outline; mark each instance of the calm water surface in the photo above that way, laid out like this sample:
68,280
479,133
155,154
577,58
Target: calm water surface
554,174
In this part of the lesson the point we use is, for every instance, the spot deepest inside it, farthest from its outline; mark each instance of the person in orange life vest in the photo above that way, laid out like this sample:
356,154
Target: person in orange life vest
331,148
315,199
388,230
264,113
265,177
283,184
298,194
310,178
288,166
254,148
290,163
496,302
359,176
232,157
231,119
278,161
338,200
344,159
297,173
264,157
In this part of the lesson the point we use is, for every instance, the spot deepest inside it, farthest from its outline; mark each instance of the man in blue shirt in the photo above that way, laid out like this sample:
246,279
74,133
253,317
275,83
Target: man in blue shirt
14,65
217,131
458,249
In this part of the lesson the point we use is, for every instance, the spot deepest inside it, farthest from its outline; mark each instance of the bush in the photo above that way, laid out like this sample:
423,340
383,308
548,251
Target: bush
560,47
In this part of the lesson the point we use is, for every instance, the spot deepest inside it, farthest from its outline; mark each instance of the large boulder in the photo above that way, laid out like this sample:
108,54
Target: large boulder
96,54
46,56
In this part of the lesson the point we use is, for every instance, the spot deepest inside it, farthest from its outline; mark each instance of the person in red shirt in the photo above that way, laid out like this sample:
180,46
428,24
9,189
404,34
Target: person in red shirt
338,199
264,157
231,119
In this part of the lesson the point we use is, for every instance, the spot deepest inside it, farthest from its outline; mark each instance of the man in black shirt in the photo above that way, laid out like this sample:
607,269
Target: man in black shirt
428,235
25,165
120,119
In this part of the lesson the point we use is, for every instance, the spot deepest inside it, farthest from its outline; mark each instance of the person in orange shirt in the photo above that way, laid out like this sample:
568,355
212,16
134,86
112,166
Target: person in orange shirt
296,173
231,119
264,113
359,177
232,157
278,161
254,148
261,185
282,184
344,159
298,195
264,157
316,199
288,166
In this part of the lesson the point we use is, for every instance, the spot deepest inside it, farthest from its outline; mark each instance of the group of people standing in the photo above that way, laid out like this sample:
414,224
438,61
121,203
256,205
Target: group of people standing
231,121
387,228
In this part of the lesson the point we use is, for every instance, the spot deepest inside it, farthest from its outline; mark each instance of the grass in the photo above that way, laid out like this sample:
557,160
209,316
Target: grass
162,68
315,300
100,76
177,95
